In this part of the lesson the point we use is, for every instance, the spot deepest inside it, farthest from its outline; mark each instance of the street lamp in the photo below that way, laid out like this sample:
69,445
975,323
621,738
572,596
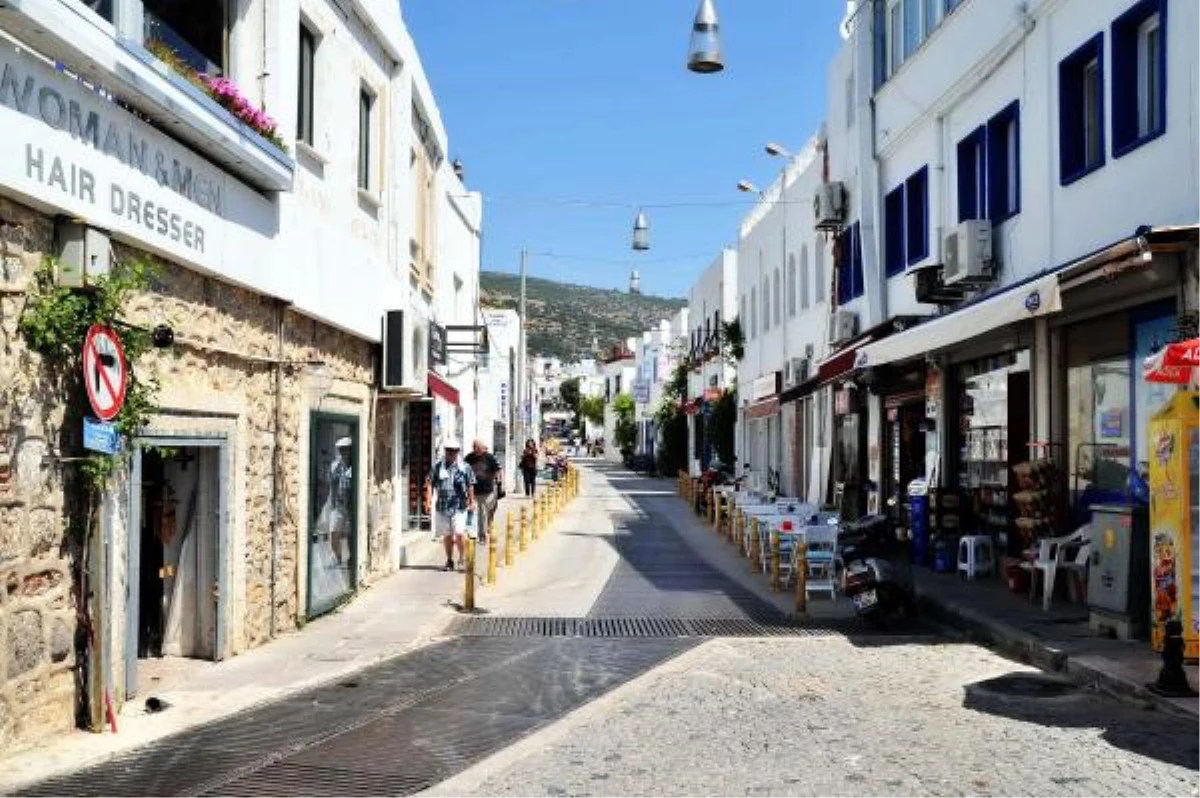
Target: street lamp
777,150
704,51
641,233
748,187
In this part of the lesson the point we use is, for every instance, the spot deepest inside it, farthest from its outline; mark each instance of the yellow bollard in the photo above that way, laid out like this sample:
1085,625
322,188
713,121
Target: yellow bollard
736,534
775,584
508,539
491,566
535,524
755,547
524,530
469,586
802,578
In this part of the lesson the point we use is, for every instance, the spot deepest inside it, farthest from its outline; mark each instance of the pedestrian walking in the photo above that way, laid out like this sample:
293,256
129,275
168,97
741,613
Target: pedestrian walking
529,464
489,486
453,482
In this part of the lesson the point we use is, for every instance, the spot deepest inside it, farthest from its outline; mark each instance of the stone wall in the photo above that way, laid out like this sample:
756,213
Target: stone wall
37,584
227,357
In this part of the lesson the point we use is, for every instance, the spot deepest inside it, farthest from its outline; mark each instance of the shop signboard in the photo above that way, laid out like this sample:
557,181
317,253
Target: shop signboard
101,436
437,344
641,392
764,386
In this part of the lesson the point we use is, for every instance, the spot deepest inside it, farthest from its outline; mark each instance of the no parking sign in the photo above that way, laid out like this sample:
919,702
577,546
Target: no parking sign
105,372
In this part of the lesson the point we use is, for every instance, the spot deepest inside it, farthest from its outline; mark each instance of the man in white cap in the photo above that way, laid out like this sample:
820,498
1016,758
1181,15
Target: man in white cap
453,482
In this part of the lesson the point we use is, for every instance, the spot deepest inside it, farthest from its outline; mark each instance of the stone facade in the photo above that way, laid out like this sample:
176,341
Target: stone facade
238,356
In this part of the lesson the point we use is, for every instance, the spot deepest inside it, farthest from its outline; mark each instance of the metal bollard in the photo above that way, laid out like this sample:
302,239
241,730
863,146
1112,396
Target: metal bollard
775,584
508,539
469,586
755,548
491,566
524,530
802,578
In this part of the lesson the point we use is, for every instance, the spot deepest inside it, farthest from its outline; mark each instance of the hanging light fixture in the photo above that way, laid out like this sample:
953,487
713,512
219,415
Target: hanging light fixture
641,233
704,52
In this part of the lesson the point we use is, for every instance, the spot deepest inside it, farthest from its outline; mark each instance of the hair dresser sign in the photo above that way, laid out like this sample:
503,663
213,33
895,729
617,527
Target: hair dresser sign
79,152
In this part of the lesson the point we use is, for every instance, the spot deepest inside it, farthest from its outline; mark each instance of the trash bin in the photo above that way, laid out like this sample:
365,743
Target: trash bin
918,520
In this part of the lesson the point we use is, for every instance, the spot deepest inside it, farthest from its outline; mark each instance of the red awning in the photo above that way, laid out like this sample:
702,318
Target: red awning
440,388
1174,363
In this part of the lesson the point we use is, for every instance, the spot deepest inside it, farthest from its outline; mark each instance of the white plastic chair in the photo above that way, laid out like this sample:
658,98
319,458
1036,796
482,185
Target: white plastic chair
821,553
1077,568
1051,554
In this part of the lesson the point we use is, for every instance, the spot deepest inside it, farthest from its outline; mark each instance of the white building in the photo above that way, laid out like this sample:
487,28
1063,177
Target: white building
282,242
712,303
496,417
619,367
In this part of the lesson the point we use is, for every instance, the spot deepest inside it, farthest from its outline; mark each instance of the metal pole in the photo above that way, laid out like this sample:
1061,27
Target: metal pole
522,376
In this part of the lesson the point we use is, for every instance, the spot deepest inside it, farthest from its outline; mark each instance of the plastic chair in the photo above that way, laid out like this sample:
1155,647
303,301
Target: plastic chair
976,555
821,558
1076,569
1051,554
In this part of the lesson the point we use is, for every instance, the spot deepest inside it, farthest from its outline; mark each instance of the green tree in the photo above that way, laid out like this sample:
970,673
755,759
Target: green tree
722,420
625,430
592,408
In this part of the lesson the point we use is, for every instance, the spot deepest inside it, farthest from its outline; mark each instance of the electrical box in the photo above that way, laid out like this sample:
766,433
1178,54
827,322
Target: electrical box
83,254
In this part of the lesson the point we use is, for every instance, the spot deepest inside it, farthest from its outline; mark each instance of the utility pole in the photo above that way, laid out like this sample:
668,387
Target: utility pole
522,376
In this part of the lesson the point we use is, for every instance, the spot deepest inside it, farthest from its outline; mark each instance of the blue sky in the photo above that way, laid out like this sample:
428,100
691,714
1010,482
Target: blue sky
569,114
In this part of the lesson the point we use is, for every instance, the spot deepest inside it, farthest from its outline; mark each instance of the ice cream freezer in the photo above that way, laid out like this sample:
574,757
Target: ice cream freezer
1175,520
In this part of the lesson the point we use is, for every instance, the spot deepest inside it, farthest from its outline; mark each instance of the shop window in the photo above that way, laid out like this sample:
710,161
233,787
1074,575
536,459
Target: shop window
1081,111
1004,164
916,216
972,176
1098,413
333,510
893,232
1139,79
305,85
195,31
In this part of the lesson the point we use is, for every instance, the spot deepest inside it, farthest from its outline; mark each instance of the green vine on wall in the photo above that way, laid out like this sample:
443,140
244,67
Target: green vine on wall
54,323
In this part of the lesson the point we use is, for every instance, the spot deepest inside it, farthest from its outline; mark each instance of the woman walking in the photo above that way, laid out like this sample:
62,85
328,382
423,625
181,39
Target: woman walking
529,464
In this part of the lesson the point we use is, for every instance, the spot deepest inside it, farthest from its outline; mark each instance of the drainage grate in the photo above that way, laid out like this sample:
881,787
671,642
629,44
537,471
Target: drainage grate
643,627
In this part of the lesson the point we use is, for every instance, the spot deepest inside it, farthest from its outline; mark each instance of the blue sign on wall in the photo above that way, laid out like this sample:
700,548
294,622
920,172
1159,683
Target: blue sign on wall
101,436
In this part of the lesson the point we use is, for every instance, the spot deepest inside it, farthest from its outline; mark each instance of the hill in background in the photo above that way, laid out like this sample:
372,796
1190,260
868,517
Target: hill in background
564,319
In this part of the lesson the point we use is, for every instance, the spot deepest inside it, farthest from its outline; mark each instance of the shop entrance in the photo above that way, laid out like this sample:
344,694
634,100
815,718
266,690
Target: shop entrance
176,550
904,455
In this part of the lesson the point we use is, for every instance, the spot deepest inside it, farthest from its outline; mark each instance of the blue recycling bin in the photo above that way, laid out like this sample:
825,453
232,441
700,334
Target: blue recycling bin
918,520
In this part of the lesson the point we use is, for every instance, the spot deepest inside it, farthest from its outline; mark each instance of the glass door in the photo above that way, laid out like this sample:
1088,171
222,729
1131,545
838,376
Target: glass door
333,511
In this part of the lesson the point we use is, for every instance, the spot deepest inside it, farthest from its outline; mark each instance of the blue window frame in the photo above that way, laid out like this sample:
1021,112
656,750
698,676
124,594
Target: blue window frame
916,215
1139,76
893,232
972,175
850,266
1081,111
1004,163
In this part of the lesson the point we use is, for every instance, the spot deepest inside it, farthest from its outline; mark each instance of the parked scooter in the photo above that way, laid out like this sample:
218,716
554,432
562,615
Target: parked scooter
717,473
875,574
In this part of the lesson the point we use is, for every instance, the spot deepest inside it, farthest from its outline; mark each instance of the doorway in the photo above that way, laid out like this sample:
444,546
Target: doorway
904,456
175,556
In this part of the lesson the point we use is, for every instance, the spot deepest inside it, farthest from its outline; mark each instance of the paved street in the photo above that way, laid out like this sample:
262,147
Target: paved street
671,672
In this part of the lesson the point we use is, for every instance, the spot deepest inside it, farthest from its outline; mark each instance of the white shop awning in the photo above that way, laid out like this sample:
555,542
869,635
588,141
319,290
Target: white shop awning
1029,300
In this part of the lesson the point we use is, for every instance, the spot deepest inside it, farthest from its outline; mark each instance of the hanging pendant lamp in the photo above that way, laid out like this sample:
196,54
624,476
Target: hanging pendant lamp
704,52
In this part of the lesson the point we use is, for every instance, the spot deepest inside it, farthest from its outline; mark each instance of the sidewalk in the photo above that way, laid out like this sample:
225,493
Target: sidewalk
1058,640
400,612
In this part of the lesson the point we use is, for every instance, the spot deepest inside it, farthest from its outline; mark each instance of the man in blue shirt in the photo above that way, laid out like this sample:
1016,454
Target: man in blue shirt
453,484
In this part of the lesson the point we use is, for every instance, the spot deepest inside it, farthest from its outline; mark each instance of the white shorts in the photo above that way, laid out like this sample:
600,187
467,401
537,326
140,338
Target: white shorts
450,523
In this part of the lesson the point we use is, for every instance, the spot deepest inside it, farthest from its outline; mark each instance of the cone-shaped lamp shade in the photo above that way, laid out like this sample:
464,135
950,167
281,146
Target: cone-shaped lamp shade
641,232
704,52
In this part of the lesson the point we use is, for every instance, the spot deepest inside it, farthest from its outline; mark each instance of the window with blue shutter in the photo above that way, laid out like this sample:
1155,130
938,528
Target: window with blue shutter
916,216
1081,111
893,232
1139,76
1004,164
972,175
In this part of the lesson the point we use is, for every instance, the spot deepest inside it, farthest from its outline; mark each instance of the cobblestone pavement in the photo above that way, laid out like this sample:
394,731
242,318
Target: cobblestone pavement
835,716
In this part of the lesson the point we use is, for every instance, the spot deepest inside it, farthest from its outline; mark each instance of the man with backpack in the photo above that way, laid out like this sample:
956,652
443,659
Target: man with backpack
489,485
453,484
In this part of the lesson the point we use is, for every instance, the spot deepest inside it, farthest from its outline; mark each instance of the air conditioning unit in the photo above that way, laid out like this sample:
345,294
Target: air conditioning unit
829,206
929,288
798,370
967,253
405,366
843,325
